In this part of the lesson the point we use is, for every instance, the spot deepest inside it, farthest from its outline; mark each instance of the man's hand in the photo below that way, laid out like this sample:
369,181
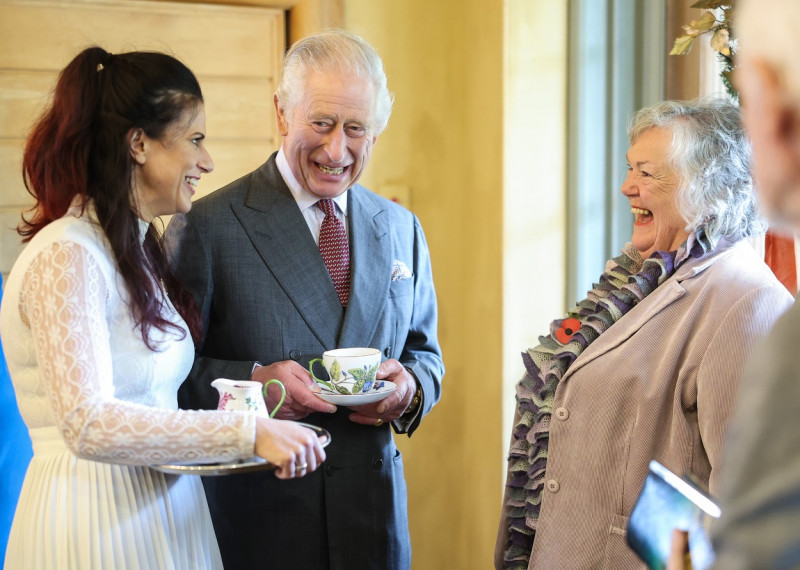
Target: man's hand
679,558
396,403
300,400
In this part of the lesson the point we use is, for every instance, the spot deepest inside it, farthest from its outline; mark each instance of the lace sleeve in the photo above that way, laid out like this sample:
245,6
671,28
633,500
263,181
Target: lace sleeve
64,302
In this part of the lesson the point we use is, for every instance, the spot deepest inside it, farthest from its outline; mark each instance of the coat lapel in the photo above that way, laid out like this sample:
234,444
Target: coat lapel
281,237
370,270
667,293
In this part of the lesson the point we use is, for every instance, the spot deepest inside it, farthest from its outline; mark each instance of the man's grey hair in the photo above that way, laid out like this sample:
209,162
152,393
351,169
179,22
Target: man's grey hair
340,52
710,153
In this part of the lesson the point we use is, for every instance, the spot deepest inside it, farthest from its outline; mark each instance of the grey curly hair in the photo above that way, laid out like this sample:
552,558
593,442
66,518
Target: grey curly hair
711,155
335,50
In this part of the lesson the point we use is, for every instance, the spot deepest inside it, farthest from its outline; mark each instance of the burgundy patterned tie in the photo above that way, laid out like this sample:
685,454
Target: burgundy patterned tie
334,249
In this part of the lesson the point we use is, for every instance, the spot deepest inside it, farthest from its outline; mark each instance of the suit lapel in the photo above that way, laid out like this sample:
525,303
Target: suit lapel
371,265
280,235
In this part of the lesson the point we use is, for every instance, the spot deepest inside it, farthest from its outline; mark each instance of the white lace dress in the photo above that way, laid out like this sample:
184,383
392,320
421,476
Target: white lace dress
100,406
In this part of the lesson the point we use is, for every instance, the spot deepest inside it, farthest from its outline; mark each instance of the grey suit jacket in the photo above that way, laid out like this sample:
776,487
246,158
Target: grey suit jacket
246,254
760,488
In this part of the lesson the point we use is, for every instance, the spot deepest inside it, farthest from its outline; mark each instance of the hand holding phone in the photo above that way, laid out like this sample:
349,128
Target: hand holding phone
668,501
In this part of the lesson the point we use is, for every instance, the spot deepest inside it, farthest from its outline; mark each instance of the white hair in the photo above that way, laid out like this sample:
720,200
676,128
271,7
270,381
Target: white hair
338,51
710,153
767,29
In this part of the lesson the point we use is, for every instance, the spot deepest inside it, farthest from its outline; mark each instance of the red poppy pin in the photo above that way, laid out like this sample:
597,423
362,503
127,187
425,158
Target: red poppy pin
568,328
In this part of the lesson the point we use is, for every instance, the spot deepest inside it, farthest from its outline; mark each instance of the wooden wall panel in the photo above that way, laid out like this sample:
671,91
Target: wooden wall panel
235,51
239,109
12,189
211,39
23,94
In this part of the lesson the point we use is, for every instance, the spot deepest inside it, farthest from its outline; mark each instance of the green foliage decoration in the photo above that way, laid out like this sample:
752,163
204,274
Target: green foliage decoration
716,21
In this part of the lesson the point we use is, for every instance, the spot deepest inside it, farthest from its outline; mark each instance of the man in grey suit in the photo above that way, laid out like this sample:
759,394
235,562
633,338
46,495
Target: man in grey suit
249,253
760,484
760,487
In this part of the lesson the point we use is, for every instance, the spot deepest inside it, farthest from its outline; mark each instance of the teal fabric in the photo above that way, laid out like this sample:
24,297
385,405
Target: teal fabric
15,451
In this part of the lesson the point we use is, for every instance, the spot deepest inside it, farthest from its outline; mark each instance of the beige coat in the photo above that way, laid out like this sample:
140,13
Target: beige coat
660,384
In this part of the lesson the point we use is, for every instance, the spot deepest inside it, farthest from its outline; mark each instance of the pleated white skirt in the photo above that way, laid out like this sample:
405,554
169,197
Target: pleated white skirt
82,515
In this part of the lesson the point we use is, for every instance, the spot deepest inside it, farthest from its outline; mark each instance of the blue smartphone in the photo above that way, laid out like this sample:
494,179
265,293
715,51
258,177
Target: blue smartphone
668,501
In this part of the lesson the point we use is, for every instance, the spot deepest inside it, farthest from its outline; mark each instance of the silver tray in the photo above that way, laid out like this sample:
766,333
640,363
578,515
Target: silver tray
254,463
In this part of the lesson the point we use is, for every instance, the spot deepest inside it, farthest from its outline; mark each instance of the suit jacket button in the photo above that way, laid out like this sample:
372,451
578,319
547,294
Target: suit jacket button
330,469
387,352
377,464
295,354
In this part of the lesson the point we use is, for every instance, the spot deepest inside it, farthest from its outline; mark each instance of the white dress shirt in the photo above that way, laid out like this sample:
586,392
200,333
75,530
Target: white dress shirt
306,201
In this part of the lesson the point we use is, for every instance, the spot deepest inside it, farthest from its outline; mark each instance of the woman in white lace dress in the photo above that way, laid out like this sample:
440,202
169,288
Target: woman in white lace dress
98,336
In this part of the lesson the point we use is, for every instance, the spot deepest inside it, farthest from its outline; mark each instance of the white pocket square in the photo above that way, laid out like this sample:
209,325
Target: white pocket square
400,271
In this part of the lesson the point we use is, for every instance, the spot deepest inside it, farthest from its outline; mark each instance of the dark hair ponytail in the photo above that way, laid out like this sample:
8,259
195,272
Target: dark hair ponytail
80,147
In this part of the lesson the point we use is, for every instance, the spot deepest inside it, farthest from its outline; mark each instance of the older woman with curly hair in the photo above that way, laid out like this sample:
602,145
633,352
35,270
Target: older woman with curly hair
648,365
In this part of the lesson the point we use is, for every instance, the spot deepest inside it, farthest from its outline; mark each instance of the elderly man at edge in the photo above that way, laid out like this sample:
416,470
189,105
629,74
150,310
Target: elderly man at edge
249,254
647,366
760,490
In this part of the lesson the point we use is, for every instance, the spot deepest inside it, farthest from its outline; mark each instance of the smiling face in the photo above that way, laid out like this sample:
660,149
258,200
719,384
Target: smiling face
650,187
329,134
168,169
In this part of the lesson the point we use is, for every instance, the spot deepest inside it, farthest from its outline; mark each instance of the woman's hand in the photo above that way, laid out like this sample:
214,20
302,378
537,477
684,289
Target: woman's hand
294,449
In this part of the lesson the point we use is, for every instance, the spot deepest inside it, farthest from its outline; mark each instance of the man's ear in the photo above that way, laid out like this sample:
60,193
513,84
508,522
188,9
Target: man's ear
790,127
280,115
138,145
778,114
